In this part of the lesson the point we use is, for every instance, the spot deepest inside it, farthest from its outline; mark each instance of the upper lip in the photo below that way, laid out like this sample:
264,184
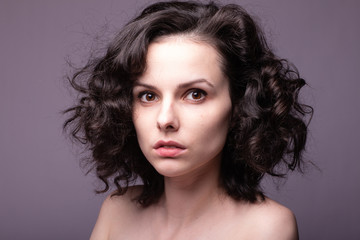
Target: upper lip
162,143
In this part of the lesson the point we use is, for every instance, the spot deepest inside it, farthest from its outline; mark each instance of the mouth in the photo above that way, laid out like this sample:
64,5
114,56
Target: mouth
169,149
168,144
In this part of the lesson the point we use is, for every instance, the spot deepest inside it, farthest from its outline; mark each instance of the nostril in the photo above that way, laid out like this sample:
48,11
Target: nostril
168,125
167,119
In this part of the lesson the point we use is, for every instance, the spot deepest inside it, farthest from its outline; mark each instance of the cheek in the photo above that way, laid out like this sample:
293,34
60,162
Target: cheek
138,120
212,127
144,124
217,126
135,119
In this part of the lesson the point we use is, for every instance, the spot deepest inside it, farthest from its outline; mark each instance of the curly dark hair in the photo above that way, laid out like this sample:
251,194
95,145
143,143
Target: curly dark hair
268,125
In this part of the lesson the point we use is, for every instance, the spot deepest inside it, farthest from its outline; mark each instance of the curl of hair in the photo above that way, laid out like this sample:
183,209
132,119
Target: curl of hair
267,126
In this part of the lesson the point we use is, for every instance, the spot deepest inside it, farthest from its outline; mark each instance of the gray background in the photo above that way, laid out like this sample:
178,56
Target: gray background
44,193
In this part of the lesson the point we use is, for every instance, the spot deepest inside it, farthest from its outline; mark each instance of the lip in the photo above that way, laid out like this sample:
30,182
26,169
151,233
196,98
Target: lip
168,148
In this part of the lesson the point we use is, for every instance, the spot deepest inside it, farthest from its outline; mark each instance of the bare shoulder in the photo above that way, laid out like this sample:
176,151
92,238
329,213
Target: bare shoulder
115,211
273,221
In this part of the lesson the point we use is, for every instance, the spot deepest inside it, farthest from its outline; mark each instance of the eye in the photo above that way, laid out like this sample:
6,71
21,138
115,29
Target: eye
147,97
195,95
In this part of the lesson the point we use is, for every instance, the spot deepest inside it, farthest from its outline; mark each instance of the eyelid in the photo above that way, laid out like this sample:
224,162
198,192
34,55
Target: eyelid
141,94
192,90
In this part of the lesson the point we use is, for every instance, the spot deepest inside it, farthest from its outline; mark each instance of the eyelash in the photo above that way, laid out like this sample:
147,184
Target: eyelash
144,94
196,90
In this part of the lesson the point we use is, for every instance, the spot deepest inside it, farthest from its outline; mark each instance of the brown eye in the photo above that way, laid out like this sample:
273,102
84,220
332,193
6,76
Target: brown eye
147,97
195,95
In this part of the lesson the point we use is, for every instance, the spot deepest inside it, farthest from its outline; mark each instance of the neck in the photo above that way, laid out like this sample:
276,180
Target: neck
189,197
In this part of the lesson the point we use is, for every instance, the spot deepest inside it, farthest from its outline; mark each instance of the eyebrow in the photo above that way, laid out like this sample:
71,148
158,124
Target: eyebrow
144,85
182,85
188,84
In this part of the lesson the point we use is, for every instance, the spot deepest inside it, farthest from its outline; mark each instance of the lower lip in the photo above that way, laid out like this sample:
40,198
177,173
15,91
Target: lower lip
169,152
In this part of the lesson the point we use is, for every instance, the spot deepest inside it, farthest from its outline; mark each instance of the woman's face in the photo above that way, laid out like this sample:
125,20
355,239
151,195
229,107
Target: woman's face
181,107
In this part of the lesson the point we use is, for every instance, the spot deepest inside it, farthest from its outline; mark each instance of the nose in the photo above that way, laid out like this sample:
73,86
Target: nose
167,119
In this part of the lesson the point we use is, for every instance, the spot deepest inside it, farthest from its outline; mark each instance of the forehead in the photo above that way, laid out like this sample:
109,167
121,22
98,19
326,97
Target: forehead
181,57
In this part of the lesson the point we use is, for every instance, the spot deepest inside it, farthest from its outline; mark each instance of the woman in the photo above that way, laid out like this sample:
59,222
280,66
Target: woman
190,100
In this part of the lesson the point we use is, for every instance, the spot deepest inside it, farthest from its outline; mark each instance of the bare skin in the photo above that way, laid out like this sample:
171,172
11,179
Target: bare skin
183,97
220,218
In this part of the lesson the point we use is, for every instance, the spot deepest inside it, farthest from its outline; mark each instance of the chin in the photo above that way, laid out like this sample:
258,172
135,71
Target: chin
170,168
